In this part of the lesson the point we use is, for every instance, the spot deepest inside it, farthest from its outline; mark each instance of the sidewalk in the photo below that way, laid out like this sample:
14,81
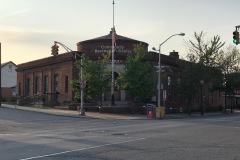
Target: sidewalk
97,115
71,113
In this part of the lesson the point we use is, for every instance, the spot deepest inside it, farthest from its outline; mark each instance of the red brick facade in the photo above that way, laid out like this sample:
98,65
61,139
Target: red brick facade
37,77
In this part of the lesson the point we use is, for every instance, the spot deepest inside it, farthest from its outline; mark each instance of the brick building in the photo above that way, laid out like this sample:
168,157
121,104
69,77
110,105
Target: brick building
48,79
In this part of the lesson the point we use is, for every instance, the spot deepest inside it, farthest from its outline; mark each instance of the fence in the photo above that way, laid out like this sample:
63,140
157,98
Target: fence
39,99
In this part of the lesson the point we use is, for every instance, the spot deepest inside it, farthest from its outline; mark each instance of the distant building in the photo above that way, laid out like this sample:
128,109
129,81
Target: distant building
48,79
8,80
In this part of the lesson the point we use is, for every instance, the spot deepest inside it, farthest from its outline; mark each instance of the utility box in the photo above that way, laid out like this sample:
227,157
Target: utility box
160,112
151,110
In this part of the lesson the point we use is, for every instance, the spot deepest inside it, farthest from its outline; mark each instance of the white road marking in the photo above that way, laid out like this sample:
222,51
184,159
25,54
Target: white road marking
81,149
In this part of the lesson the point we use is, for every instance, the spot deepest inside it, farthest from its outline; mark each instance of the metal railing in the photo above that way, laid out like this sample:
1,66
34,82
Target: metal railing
48,98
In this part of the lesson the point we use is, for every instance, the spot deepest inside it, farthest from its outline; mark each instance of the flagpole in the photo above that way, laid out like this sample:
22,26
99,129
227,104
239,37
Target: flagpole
113,14
112,84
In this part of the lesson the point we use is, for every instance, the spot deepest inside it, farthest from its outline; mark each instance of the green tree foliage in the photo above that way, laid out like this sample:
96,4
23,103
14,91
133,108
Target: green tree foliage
76,84
96,78
138,77
76,87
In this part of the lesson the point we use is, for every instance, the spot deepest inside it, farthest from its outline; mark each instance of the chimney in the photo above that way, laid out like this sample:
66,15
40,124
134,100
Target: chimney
174,54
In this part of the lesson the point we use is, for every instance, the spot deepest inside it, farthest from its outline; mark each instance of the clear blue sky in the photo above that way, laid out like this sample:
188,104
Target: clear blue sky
28,28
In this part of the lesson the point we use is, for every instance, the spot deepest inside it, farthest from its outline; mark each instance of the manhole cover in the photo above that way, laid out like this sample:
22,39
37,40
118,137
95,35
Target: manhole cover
96,131
119,134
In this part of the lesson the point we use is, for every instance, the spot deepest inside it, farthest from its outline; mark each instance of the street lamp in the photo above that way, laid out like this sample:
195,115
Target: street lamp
159,64
74,55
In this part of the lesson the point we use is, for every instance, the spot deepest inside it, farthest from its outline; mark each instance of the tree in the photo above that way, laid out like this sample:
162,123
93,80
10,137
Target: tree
138,77
189,82
76,87
96,78
202,56
76,84
228,62
204,52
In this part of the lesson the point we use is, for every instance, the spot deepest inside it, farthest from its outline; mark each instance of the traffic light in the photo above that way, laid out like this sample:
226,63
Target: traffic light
236,37
55,50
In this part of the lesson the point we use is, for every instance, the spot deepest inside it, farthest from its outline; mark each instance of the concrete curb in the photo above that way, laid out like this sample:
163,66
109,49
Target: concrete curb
69,113
96,115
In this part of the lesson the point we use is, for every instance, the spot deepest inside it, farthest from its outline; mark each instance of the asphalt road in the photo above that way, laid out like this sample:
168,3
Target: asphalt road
26,135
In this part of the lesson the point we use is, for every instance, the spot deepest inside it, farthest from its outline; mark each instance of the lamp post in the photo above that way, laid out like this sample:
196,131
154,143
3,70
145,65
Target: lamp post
74,55
159,65
82,110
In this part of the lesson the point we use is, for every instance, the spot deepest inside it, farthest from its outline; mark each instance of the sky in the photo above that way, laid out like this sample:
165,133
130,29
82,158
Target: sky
28,28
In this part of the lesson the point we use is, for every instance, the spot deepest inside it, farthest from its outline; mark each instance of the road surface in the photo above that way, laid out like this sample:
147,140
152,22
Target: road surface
26,135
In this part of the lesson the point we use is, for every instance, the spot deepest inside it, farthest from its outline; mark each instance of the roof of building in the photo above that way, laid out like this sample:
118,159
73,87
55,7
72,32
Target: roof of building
48,60
4,64
109,37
